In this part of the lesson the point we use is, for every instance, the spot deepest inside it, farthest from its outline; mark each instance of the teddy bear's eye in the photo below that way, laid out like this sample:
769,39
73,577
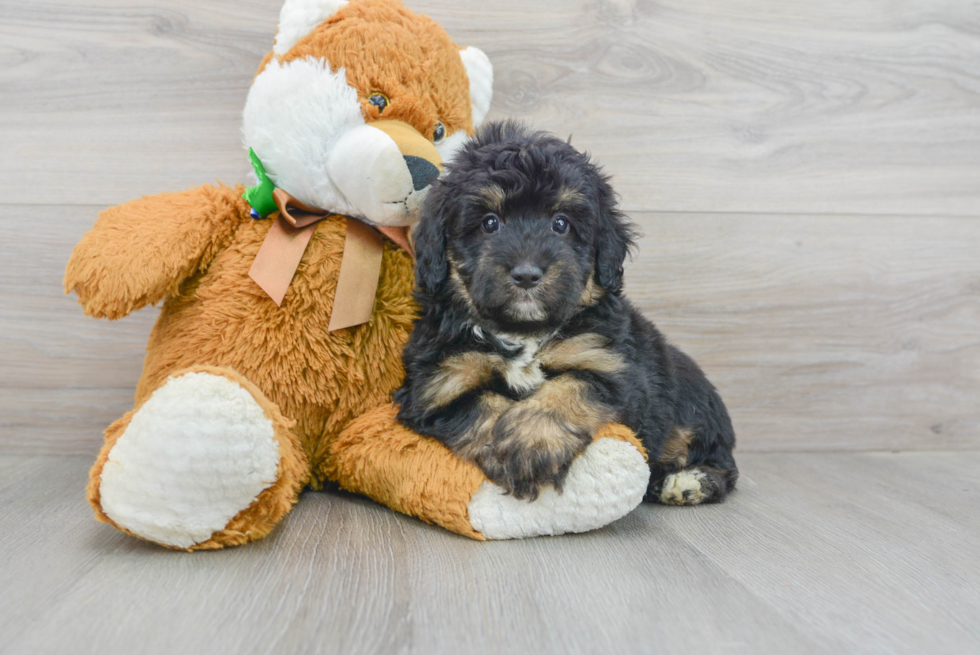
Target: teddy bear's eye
379,100
440,133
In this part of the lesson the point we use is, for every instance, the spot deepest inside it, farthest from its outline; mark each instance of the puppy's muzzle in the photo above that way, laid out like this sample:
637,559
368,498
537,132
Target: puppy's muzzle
526,276
385,169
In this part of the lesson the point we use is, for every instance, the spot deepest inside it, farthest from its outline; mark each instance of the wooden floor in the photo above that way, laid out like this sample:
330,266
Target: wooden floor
815,553
807,179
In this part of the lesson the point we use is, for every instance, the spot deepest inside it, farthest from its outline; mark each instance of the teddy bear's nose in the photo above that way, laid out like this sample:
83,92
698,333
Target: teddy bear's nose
423,171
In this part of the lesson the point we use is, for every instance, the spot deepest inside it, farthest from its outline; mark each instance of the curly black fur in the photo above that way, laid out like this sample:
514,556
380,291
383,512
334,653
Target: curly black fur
517,376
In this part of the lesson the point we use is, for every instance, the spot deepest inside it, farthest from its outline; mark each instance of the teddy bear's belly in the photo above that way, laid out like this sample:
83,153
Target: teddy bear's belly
321,379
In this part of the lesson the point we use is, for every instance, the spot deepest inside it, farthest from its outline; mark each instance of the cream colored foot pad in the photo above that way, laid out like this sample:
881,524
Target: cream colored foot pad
196,453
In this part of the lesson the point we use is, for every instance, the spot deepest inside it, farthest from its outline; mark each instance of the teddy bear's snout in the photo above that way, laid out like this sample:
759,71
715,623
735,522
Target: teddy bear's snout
423,172
384,170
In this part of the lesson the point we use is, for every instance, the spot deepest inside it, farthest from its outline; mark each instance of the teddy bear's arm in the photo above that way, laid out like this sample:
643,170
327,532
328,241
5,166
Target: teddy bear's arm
139,252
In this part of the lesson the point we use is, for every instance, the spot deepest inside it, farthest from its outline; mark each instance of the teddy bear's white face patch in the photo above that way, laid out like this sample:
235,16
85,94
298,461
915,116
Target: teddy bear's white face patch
304,123
367,166
295,114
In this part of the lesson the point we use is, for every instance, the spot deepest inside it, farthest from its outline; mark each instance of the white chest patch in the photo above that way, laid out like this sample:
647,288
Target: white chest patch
523,373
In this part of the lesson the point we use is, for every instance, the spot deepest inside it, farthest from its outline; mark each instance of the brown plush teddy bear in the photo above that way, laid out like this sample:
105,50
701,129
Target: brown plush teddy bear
284,315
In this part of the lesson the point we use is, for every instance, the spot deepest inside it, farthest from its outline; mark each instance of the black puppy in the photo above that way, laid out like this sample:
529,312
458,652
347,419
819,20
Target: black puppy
524,346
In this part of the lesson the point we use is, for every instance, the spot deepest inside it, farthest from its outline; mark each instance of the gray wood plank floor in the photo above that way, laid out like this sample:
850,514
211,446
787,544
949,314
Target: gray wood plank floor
822,553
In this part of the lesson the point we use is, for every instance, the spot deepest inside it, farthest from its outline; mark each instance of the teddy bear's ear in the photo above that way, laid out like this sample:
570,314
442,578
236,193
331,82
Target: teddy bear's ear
299,17
480,71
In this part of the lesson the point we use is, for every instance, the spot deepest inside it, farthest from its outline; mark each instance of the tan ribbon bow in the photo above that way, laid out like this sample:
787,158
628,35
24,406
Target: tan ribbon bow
360,268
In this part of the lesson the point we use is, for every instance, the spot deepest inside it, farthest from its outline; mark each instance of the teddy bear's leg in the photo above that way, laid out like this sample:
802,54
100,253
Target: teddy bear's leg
205,461
378,457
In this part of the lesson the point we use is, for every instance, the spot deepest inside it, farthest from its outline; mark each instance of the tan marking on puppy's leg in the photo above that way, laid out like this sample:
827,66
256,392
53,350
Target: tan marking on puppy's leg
582,352
479,436
460,374
564,402
676,447
536,440
568,398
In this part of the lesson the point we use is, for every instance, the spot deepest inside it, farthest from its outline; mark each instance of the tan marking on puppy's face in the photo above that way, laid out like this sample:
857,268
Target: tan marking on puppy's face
583,352
456,281
676,447
568,198
494,196
592,293
460,374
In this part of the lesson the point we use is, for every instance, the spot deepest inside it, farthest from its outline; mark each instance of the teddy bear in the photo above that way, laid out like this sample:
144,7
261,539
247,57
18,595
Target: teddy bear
285,306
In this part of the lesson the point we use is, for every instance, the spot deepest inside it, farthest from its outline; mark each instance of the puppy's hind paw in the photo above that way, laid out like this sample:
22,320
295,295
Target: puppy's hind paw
683,488
695,486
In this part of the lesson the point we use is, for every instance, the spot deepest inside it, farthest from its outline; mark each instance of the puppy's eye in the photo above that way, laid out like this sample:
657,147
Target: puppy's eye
490,223
559,224
379,100
439,133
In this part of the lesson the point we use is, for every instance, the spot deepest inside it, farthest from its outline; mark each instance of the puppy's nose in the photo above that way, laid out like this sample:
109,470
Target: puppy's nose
526,276
423,172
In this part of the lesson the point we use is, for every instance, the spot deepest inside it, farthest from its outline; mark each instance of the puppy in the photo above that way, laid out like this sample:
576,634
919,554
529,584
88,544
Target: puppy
524,346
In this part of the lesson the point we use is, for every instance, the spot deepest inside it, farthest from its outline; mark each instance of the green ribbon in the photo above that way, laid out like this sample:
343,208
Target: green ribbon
260,195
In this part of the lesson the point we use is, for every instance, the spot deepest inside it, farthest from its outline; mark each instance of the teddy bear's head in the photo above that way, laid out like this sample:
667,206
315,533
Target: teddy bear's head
359,103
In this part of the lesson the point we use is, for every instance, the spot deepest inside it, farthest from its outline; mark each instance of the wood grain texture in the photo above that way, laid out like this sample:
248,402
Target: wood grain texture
806,178
814,554
822,333
830,107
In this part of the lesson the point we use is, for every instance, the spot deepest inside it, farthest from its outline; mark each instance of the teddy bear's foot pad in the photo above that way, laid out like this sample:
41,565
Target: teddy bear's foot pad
604,484
198,452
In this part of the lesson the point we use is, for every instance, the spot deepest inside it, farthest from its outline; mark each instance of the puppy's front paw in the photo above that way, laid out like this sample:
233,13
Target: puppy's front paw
531,448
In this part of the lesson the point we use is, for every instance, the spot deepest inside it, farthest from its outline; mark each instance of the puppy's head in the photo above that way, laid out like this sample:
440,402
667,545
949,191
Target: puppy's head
523,229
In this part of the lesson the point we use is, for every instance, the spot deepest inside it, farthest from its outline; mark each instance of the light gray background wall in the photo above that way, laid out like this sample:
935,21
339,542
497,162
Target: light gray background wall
807,177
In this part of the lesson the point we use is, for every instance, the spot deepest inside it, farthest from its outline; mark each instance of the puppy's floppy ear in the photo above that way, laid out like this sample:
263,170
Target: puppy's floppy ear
613,242
431,266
